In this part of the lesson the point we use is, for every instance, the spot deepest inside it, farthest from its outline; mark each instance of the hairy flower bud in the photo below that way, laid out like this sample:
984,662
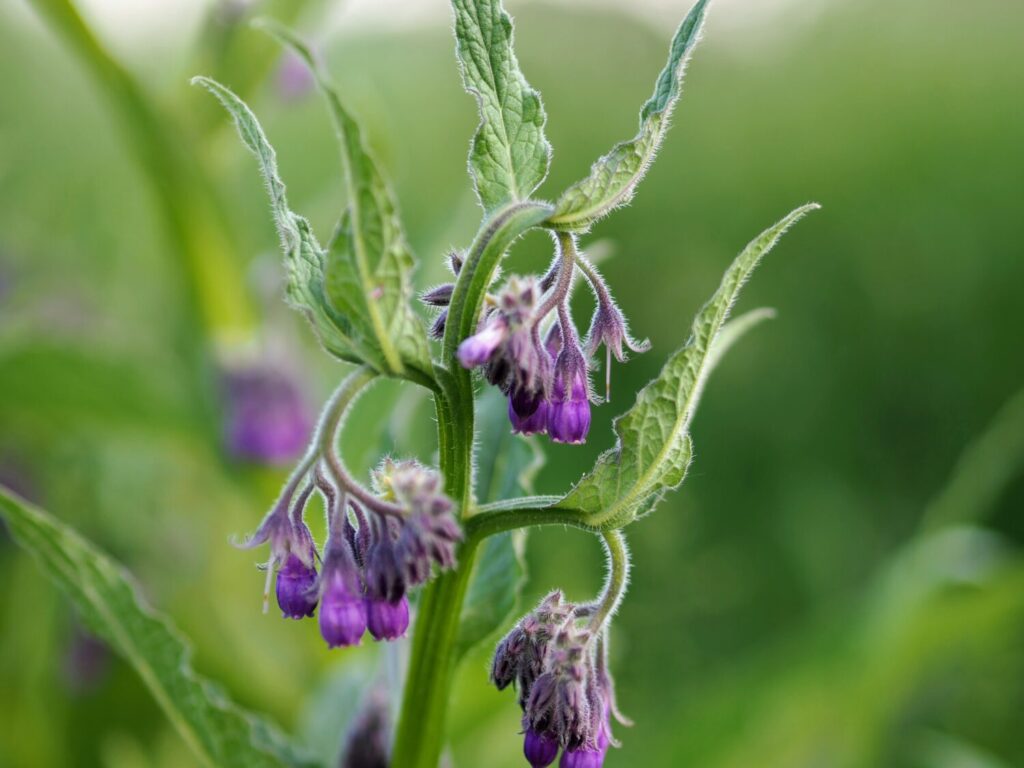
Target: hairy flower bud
569,407
387,620
540,750
478,349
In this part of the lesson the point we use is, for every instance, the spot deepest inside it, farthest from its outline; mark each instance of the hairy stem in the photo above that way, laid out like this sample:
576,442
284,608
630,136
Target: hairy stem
615,585
326,440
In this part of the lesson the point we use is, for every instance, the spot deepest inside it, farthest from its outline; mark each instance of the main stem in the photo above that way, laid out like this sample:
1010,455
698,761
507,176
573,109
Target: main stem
421,729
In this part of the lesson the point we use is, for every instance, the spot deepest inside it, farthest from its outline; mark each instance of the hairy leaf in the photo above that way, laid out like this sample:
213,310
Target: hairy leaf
509,155
654,448
221,734
369,264
613,178
354,329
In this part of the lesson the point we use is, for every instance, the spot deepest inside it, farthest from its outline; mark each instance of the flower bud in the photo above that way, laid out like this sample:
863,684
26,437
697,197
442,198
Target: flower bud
387,620
569,407
540,750
342,614
342,608
441,296
296,588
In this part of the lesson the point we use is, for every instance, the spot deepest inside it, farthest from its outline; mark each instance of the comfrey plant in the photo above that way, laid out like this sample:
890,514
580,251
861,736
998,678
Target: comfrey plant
417,526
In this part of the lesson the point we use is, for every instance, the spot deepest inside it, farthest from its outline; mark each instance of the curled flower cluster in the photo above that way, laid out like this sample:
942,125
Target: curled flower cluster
376,549
565,691
527,345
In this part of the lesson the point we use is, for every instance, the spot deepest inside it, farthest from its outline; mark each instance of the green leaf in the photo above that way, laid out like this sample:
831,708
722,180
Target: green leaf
221,734
354,331
509,155
506,466
613,178
369,264
654,449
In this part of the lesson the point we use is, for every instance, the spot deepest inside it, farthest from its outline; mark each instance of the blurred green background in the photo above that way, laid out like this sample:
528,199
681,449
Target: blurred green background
839,583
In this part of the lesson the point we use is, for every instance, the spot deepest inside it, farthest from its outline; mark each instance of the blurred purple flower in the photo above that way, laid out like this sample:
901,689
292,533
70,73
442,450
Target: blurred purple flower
294,80
267,419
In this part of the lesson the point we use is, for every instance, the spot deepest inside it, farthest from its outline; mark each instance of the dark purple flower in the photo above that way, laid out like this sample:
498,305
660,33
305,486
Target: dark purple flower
368,740
267,418
534,424
540,751
296,588
569,406
387,620
385,576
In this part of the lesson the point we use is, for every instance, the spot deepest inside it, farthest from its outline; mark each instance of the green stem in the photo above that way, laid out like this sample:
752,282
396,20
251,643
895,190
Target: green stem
420,735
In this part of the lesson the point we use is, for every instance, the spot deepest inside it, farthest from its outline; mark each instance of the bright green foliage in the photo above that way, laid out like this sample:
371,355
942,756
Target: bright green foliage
509,155
357,297
220,734
369,265
653,448
613,178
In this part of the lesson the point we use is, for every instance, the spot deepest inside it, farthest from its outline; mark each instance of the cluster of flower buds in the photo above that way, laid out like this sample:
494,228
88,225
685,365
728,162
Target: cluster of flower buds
565,691
527,345
376,549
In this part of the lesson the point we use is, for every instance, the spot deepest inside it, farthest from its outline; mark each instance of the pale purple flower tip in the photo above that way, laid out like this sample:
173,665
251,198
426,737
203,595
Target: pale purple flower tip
540,751
477,349
582,757
294,80
342,613
534,424
387,621
267,417
296,588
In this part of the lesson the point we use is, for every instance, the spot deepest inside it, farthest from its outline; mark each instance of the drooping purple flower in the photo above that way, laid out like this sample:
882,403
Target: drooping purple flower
293,552
569,406
296,588
387,620
342,607
540,750
267,417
